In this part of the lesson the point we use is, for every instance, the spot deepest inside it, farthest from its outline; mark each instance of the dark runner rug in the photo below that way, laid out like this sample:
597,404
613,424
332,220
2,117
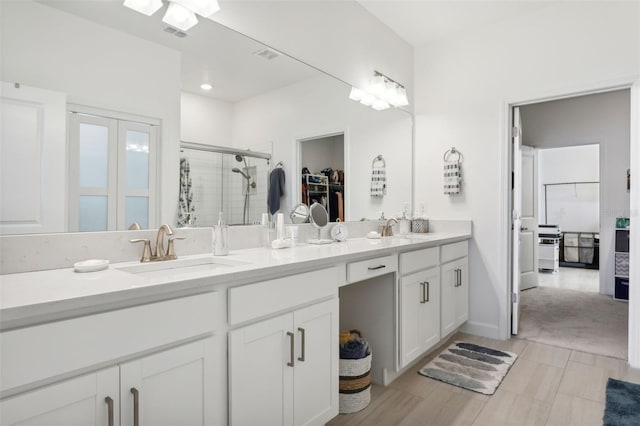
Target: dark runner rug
470,366
623,404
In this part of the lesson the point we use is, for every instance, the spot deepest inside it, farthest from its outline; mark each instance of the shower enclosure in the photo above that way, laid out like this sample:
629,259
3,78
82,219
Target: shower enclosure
227,180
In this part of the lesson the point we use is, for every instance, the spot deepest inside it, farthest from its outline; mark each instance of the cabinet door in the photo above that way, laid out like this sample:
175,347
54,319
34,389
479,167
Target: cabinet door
315,389
419,314
260,379
462,292
172,387
454,305
76,402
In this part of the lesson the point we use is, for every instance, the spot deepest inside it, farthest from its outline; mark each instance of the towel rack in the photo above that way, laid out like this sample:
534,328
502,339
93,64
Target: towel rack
379,157
280,164
452,151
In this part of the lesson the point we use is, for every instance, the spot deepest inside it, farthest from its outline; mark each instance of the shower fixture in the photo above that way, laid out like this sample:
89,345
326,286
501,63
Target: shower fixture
250,184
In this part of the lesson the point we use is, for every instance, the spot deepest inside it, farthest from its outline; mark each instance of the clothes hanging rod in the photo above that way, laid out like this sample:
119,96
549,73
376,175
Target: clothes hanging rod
224,150
568,183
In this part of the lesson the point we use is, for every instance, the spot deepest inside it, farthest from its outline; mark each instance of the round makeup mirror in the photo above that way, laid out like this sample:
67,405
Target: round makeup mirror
319,219
300,214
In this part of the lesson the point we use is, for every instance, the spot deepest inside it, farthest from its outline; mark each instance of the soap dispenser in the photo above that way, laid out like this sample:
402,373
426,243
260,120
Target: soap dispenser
404,222
220,238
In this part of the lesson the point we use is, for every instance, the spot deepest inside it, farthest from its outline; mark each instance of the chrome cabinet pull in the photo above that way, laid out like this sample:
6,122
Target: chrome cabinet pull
303,344
292,355
136,406
373,268
422,299
109,402
427,285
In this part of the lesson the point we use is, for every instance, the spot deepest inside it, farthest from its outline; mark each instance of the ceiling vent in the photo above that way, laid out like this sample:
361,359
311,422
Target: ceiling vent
175,32
267,54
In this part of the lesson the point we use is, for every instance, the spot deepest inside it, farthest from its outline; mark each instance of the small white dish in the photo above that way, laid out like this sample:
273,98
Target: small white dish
374,235
91,265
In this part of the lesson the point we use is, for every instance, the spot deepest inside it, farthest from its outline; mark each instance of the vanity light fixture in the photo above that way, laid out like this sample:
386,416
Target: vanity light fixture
382,93
181,14
147,7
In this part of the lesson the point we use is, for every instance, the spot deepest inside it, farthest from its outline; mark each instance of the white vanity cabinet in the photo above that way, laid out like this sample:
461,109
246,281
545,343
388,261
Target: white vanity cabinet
154,362
419,303
80,401
283,370
454,299
168,388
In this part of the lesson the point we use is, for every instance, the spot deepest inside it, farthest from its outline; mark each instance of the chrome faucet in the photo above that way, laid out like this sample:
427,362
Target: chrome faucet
387,230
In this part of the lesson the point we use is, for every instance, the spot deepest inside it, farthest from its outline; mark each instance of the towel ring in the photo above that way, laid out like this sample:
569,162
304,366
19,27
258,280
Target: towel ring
452,151
378,158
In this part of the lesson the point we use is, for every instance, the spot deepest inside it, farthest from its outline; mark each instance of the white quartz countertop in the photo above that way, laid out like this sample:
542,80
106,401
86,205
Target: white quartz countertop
34,297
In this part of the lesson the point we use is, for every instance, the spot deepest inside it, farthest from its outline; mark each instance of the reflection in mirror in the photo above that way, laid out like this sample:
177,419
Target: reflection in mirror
319,219
300,214
223,180
104,56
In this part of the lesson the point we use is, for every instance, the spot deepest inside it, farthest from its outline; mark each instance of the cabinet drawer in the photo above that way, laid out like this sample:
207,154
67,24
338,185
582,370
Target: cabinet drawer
43,351
454,251
358,271
418,259
253,301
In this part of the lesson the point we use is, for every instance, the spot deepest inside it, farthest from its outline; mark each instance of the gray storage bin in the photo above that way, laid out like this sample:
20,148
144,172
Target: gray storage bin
570,240
571,254
622,264
585,240
586,254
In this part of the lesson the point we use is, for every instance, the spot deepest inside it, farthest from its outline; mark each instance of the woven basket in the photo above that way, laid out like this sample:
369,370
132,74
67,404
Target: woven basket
355,384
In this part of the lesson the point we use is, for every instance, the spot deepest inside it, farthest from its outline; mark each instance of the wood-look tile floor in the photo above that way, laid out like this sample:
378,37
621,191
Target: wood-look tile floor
547,385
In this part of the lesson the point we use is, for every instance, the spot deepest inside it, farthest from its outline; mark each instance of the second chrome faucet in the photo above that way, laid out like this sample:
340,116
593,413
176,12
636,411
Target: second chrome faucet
159,254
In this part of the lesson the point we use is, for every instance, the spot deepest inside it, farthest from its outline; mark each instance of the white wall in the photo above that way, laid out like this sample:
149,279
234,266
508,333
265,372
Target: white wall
205,120
339,37
568,164
463,86
99,67
321,106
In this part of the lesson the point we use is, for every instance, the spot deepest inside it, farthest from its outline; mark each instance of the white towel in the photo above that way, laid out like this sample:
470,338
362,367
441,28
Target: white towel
378,180
452,177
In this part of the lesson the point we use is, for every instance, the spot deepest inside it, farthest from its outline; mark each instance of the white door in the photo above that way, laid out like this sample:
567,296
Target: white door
315,388
169,388
33,155
261,363
419,314
87,400
516,219
529,218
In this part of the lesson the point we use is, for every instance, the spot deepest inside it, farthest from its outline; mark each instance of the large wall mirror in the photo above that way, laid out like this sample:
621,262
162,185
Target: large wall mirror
115,93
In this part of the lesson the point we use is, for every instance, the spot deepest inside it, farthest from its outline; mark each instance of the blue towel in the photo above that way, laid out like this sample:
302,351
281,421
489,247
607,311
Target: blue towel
276,189
354,349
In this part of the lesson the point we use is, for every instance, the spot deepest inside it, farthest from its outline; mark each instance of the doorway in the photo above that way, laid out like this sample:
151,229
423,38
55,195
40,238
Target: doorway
582,147
322,168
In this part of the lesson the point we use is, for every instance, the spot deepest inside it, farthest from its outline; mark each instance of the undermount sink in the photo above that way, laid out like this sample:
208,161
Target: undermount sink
182,265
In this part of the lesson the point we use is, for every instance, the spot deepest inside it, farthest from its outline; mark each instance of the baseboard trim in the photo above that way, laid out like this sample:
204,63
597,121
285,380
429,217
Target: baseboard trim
481,329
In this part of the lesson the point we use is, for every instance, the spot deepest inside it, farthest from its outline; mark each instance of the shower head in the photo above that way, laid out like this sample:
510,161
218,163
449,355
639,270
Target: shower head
244,175
239,158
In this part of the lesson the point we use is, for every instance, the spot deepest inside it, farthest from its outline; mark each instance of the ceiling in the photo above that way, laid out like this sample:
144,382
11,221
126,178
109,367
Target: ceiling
420,22
211,52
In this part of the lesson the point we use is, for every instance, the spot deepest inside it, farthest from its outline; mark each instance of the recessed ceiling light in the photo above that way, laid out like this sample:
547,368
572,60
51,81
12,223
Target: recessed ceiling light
206,86
148,7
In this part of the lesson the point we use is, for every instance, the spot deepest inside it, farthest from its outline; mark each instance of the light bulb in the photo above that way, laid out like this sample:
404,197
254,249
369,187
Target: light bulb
179,17
147,7
380,105
401,97
206,86
367,99
356,94
204,8
377,85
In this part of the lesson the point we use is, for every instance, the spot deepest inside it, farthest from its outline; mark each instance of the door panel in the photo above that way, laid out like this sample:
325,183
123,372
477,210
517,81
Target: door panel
529,219
315,397
516,200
